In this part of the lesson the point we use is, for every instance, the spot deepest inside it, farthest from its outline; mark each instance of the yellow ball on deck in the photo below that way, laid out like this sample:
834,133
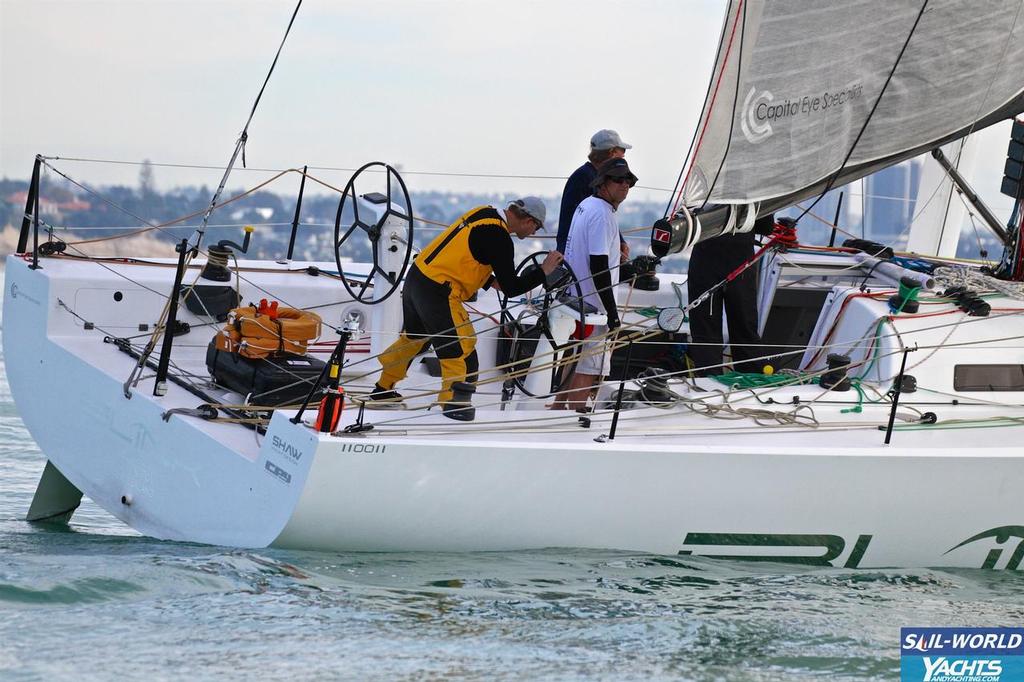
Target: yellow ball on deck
768,370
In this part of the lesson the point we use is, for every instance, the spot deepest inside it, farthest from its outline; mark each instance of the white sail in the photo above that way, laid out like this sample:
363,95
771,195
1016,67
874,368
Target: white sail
941,213
795,83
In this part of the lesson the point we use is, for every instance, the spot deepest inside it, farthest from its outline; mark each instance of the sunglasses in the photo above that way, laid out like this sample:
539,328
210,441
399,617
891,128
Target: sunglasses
622,181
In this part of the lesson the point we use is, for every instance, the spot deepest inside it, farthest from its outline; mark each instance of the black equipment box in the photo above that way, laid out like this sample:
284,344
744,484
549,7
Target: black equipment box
277,380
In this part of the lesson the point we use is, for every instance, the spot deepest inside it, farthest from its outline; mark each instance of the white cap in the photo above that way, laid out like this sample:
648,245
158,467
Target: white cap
531,206
608,139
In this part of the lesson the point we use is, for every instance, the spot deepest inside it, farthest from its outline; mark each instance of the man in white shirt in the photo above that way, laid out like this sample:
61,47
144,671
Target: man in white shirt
592,251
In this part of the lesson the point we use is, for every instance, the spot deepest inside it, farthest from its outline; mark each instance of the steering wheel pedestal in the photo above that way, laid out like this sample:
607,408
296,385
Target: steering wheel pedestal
541,326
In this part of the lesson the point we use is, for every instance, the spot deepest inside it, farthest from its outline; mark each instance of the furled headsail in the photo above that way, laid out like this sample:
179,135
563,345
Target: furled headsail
805,96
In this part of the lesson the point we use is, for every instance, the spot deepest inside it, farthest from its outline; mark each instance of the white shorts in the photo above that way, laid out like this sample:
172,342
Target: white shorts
595,359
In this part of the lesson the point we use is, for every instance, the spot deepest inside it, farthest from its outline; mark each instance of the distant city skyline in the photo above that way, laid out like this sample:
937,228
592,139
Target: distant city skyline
480,88
462,96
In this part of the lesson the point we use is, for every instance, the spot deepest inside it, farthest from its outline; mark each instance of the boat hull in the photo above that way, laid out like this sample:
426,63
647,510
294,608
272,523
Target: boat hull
165,478
837,498
832,509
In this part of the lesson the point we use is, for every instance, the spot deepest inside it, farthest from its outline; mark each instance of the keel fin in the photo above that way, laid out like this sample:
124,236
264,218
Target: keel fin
56,498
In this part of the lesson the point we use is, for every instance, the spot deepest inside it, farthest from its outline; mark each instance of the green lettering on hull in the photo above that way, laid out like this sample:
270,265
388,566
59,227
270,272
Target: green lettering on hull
832,547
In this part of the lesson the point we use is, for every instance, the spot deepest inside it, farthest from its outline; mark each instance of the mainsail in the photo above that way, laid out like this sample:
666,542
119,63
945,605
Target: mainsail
807,95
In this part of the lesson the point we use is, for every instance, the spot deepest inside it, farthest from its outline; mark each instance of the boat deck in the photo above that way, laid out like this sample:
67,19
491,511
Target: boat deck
791,417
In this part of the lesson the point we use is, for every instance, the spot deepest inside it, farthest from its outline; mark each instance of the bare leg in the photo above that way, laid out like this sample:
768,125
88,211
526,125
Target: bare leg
559,402
561,396
580,388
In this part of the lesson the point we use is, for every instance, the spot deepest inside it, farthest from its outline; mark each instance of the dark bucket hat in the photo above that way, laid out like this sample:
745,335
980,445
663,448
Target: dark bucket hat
613,168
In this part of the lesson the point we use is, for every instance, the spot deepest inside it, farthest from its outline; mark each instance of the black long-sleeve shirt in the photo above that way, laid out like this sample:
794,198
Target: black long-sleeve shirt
492,245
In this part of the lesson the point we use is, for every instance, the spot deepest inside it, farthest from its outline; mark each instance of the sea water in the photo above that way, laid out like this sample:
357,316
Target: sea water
96,601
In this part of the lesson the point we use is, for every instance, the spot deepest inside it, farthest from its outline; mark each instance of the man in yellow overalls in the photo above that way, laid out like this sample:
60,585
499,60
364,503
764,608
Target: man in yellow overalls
471,253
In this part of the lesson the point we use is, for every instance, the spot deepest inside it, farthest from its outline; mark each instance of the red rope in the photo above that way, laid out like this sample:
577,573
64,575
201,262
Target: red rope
783,237
1018,270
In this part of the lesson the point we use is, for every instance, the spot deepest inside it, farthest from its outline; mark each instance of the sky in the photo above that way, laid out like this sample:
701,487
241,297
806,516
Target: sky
430,86
513,88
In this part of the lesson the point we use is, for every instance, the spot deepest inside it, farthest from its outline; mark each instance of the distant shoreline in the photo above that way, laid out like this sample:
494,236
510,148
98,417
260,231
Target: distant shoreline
137,245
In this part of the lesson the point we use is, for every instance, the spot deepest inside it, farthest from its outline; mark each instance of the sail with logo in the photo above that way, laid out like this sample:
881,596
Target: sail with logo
804,97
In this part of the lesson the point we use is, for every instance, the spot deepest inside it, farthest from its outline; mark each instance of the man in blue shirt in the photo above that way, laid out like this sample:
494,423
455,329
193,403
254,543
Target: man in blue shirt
604,145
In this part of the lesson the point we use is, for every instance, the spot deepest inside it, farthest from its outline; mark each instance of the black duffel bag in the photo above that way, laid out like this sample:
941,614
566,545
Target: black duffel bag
280,379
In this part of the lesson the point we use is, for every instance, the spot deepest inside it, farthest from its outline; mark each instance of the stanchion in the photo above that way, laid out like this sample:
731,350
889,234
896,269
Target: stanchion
298,211
160,386
622,389
896,396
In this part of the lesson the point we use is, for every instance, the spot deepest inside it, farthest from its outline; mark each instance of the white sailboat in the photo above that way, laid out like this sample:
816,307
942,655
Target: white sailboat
912,457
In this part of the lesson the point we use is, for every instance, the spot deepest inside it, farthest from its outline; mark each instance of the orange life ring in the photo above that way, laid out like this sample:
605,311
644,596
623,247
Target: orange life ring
255,334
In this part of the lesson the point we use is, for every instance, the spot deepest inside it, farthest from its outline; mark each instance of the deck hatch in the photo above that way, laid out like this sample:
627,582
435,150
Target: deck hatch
988,377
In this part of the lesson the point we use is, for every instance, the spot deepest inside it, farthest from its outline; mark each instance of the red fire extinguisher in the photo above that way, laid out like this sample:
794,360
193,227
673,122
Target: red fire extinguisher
332,403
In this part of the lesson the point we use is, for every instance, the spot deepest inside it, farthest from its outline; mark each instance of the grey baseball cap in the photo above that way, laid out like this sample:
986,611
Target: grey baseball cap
608,139
533,207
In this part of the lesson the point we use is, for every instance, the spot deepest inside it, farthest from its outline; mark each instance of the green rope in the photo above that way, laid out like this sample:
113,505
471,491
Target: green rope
906,294
859,407
756,380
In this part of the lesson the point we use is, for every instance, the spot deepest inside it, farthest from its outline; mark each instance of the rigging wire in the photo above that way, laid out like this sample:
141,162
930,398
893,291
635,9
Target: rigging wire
362,360
150,225
982,251
271,71
444,174
193,250
240,144
897,351
997,67
953,188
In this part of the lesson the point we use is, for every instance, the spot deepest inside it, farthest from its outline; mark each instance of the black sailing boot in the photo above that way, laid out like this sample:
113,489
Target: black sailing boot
460,407
381,397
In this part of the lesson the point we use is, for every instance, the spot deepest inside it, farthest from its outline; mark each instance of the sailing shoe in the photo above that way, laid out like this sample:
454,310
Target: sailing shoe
383,398
460,406
463,412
